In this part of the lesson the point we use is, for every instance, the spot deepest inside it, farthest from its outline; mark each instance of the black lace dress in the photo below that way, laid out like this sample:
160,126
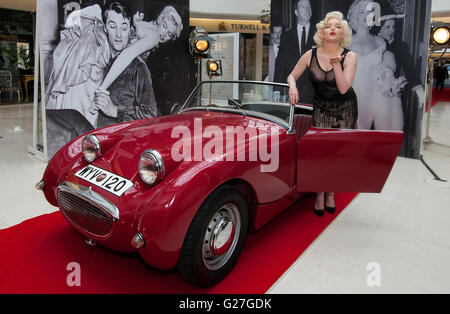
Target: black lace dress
331,109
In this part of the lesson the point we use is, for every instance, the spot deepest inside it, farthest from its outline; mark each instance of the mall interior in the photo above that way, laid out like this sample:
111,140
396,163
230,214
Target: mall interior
401,234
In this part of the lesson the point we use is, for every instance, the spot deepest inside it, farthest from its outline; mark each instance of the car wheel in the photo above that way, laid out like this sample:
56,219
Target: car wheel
215,238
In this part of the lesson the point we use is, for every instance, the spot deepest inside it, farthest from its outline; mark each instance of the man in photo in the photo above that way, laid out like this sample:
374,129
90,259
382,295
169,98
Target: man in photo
274,47
130,96
293,44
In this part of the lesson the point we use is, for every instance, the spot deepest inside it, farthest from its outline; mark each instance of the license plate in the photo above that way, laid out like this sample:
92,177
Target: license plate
106,180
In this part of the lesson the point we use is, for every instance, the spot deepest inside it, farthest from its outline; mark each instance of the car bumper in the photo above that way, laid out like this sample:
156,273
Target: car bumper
94,216
86,210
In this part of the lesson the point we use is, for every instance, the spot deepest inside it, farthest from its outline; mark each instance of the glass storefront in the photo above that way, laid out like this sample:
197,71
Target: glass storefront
16,56
253,48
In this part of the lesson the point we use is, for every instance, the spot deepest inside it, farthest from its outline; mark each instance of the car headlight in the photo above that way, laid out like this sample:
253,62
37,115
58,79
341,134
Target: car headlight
151,167
91,148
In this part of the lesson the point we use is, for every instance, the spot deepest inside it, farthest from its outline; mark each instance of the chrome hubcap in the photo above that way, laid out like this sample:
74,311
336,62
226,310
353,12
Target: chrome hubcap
221,236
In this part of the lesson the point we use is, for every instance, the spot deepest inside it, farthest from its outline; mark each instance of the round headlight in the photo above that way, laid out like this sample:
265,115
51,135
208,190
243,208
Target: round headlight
91,148
151,167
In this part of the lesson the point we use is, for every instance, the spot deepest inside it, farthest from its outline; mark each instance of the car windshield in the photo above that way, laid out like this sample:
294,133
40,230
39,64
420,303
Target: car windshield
265,100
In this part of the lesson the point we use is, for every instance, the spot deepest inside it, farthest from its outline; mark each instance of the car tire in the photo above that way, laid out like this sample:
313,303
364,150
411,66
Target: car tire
215,238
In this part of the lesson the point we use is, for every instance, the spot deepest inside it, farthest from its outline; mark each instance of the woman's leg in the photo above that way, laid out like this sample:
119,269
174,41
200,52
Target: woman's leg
329,202
319,205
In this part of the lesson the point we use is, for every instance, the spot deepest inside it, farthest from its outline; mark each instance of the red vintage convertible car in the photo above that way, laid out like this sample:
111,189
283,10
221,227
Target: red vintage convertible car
183,190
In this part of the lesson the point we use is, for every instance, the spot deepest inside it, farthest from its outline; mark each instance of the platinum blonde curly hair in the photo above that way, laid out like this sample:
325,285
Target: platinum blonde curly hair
346,41
172,14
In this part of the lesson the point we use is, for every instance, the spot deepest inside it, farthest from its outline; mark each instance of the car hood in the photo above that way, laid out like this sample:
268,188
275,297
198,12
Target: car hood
122,150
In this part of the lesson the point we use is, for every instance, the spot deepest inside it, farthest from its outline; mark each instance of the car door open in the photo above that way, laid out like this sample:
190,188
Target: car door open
343,160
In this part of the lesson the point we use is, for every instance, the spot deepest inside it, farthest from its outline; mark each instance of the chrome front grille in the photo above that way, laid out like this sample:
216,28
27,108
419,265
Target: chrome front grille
84,213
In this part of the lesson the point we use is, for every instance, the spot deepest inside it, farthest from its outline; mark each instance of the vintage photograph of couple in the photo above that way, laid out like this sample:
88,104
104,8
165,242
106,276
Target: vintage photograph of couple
100,70
389,38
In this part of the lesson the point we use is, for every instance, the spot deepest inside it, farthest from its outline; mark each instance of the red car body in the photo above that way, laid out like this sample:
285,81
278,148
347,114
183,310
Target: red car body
315,160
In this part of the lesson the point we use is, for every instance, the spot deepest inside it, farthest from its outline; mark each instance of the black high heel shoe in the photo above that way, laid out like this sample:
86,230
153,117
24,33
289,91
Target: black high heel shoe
319,212
331,210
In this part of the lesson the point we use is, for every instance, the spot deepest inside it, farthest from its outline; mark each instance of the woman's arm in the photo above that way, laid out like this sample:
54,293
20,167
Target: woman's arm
127,56
344,78
298,70
389,60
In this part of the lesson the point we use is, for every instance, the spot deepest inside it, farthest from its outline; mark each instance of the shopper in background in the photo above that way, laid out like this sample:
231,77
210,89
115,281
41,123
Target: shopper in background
441,74
331,68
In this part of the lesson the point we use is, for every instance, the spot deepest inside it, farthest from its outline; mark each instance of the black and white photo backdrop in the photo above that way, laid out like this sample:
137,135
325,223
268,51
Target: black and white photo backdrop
107,62
390,38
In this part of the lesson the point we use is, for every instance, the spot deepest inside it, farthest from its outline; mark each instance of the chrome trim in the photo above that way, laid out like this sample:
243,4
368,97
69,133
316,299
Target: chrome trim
97,146
288,125
138,241
90,242
40,185
304,107
255,114
221,236
234,82
291,129
159,164
91,197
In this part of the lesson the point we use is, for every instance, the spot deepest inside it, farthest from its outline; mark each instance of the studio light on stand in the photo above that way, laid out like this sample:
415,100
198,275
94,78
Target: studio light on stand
441,35
439,42
199,47
214,69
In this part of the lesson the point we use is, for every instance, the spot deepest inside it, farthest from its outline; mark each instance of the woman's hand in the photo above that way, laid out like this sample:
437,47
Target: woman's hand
145,29
138,17
336,60
293,95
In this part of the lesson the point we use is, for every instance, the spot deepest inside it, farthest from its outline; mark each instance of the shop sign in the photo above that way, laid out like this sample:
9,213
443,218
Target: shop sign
238,27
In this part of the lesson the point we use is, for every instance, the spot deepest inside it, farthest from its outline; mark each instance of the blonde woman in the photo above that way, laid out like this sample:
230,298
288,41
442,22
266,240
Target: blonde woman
376,86
331,67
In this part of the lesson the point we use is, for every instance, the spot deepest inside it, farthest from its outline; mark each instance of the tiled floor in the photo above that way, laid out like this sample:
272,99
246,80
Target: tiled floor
19,170
405,230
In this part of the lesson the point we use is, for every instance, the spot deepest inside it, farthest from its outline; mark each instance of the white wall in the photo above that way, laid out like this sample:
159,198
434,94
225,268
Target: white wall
239,7
228,7
254,7
439,5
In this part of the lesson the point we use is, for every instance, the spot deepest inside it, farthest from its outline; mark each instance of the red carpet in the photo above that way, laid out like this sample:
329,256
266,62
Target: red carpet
35,255
439,96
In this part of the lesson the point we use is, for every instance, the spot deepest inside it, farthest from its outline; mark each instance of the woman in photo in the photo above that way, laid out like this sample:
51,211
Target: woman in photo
404,60
83,54
375,84
80,61
167,27
331,68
